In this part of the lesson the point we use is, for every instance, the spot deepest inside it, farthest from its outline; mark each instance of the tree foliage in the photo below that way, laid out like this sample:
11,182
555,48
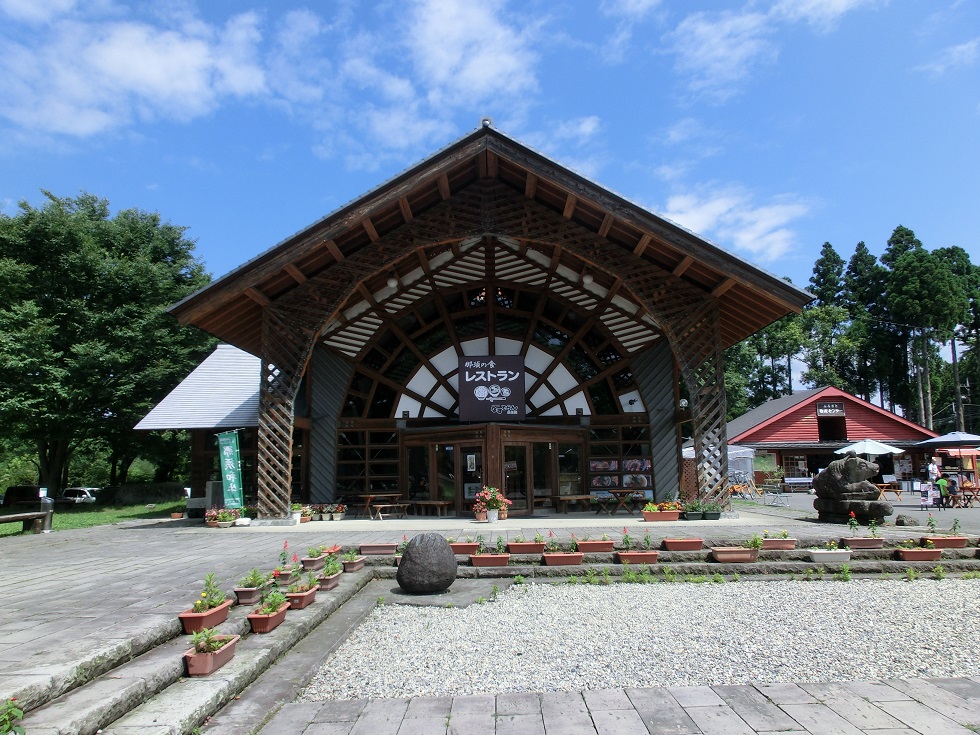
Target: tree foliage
85,345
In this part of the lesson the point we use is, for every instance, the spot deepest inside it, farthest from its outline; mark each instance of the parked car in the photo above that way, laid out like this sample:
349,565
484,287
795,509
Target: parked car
80,494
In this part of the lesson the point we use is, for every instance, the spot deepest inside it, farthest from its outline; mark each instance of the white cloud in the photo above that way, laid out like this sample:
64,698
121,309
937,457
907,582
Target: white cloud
580,130
635,9
955,57
35,11
729,215
718,50
822,14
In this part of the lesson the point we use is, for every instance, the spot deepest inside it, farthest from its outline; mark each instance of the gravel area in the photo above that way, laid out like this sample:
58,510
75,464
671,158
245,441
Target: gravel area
559,638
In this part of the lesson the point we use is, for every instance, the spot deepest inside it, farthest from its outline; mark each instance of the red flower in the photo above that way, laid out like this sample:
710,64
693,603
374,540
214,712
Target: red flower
551,534
295,558
275,572
851,514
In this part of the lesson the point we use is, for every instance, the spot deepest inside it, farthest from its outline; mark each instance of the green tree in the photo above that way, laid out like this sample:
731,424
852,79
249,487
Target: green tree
85,345
826,283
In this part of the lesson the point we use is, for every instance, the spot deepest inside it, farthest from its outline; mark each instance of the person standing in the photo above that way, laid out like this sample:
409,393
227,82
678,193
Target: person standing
933,470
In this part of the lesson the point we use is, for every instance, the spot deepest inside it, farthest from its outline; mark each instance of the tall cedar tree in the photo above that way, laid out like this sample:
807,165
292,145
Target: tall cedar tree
85,345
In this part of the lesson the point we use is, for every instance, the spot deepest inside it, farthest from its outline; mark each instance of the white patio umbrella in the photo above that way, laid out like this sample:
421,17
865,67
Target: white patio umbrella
871,447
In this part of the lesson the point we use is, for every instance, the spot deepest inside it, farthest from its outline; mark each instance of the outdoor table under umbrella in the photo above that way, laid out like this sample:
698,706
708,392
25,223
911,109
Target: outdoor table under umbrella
870,447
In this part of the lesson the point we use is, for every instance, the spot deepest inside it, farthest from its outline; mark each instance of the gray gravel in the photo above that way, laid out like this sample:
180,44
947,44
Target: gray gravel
559,638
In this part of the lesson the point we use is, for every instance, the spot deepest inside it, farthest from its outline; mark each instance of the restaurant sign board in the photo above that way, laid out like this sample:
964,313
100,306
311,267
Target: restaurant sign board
491,388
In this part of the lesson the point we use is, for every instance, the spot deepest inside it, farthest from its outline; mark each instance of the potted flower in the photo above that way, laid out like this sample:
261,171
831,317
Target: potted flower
330,574
683,544
296,510
211,651
338,512
951,540
738,554
177,515
226,517
209,610
497,558
480,511
862,542
211,517
693,510
314,559
639,556
353,561
318,509
300,594
669,510
400,549
469,546
587,545
270,613
782,541
711,511
249,589
521,545
907,550
287,570
492,500
554,556
829,552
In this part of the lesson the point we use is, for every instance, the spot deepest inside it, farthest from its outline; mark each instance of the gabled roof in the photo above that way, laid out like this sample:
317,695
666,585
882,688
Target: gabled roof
746,429
230,307
221,393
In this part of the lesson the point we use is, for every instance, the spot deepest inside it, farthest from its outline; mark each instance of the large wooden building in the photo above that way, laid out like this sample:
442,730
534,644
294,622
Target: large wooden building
487,317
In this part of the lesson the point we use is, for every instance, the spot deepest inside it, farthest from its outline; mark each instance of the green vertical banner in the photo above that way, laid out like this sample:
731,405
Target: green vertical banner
231,468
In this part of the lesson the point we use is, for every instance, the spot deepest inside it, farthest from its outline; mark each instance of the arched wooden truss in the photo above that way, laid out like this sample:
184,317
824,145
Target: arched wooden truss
292,323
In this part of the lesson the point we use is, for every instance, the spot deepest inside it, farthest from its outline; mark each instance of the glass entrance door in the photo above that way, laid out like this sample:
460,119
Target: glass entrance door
470,474
517,478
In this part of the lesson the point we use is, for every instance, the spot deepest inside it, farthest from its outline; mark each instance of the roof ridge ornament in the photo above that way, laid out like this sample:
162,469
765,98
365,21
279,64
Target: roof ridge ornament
486,121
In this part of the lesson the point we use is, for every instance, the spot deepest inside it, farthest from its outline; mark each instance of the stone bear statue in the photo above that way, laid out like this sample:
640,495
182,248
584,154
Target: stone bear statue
847,479
843,488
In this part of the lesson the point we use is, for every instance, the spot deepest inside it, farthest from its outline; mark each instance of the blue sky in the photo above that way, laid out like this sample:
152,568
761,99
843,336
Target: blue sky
766,126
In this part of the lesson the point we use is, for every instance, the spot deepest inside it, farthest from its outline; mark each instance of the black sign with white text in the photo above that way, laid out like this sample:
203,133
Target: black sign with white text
491,388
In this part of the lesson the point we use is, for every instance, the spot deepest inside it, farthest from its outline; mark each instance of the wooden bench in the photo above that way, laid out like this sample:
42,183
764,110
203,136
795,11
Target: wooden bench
563,501
421,507
393,509
33,521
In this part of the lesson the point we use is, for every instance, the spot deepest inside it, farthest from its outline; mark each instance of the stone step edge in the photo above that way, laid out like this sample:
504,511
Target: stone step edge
113,694
188,703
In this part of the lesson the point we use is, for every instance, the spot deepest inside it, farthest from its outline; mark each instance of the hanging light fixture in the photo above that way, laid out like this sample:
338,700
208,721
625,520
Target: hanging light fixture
587,278
392,281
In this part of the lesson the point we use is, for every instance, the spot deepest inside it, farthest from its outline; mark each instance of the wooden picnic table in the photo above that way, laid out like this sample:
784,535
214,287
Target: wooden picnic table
888,487
385,498
622,496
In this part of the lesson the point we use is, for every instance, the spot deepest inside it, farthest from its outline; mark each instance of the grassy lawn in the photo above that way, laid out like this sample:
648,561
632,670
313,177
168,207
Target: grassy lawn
85,515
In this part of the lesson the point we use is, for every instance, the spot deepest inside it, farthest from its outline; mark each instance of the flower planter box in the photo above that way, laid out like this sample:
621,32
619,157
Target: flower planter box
525,547
489,560
329,582
558,558
691,515
862,542
637,557
734,554
284,580
249,595
770,544
711,515
305,519
919,554
299,600
683,544
945,542
224,524
824,556
261,623
661,515
595,546
337,516
353,566
194,622
461,547
176,516
202,664
313,563
378,549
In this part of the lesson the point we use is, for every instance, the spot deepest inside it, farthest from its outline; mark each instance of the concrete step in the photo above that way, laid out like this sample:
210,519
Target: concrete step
152,691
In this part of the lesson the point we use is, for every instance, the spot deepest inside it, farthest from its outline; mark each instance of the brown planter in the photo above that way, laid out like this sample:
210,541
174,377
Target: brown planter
594,546
661,515
265,623
637,557
195,622
559,559
482,517
683,544
284,580
305,519
734,554
353,566
299,600
176,516
862,542
489,560
202,664
919,554
378,549
328,583
525,547
945,542
249,595
313,563
784,544
464,547
211,524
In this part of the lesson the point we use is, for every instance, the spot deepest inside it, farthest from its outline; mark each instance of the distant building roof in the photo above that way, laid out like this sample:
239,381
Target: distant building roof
769,409
221,393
